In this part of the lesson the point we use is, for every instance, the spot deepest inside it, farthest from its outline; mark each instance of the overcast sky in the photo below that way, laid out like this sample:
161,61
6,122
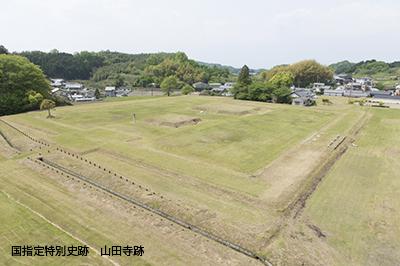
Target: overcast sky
260,33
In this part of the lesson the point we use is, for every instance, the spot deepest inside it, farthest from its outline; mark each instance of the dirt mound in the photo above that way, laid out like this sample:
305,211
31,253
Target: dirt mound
230,109
175,121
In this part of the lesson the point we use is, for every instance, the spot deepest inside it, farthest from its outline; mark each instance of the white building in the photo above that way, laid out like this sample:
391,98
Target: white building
333,92
57,83
110,91
73,86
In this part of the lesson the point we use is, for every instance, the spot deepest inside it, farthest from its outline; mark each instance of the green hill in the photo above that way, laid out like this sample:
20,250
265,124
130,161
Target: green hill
99,69
388,74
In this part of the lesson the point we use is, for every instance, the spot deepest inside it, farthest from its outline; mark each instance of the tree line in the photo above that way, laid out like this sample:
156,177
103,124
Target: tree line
185,70
64,65
368,67
139,70
274,85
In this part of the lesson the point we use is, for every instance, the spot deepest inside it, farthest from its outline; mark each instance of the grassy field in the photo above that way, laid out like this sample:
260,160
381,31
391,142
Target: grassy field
93,218
19,226
228,166
358,204
353,216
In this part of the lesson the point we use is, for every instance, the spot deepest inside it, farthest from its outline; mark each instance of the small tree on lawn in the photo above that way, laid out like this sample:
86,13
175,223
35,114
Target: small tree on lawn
47,105
187,89
169,84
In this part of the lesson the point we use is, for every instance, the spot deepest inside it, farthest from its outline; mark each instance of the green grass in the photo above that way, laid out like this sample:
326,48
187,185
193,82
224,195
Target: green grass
210,170
223,150
20,226
240,143
358,204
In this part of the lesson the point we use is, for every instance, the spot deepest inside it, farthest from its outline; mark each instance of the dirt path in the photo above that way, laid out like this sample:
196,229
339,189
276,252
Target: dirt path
294,209
285,174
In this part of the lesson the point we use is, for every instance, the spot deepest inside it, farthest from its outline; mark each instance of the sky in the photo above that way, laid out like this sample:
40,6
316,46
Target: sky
259,33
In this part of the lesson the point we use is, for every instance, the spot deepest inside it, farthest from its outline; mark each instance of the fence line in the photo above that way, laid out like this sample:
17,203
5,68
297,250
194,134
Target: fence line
9,142
165,215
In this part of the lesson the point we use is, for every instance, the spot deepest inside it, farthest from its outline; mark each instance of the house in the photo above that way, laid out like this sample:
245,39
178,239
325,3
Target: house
355,93
303,97
343,78
364,84
317,85
82,98
110,92
214,85
90,93
320,87
379,93
337,92
223,88
57,83
219,89
386,99
73,86
122,91
75,97
365,81
228,86
353,86
199,86
383,96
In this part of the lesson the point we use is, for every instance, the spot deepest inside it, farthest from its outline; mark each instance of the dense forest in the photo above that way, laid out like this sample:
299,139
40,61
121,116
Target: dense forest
99,69
142,70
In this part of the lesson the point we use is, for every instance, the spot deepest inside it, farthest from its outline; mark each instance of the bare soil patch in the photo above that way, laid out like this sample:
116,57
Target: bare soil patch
393,152
391,121
230,109
175,121
287,172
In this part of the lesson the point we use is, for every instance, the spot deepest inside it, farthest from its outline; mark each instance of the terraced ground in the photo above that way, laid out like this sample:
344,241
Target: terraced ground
233,168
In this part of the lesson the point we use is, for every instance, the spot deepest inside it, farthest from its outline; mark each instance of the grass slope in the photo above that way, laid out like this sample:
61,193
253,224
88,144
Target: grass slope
226,173
358,204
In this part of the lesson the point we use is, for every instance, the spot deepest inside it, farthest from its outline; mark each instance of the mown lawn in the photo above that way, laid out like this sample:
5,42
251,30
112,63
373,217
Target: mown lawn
211,169
358,204
20,226
242,143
